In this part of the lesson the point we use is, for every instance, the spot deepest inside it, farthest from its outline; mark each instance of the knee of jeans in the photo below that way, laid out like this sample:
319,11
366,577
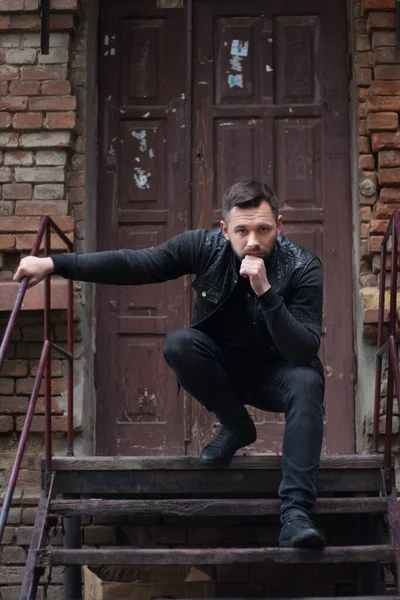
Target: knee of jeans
305,383
178,346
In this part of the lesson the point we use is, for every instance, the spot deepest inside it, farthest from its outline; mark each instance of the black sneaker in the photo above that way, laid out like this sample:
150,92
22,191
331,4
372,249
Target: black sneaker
221,450
301,532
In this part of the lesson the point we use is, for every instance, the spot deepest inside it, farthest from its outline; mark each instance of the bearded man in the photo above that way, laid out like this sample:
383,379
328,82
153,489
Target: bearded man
253,340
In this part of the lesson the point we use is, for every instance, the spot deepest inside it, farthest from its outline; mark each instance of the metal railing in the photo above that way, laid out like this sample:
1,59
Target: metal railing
389,346
46,227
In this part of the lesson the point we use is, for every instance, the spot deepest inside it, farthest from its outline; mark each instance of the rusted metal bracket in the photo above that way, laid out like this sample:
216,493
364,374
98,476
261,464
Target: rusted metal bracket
44,13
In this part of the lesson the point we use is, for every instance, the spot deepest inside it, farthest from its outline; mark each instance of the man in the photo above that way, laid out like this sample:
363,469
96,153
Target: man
254,337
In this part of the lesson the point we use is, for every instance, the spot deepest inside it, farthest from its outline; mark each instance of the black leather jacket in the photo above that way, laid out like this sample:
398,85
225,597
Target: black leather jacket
292,309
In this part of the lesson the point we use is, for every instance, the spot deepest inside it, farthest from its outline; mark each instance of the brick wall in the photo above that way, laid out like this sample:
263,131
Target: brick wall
377,72
42,100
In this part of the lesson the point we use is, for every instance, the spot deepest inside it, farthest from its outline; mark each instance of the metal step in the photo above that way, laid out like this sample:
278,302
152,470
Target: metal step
210,507
213,556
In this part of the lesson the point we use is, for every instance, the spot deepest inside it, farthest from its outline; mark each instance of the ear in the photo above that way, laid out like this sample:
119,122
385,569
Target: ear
224,228
279,224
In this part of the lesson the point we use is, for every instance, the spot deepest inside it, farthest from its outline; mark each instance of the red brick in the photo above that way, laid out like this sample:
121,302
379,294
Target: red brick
45,139
5,120
26,21
9,532
374,243
49,208
383,121
51,157
15,368
6,386
363,43
362,124
6,424
389,195
14,405
77,195
56,368
24,88
362,113
379,5
381,20
365,213
29,515
38,424
387,140
78,162
53,103
16,103
5,22
363,76
4,88
15,56
386,56
18,158
9,140
17,191
64,5
7,242
8,224
76,179
28,120
385,211
389,176
389,158
7,72
383,38
378,226
61,22
362,94
56,88
26,241
33,301
25,386
387,72
5,174
366,161
385,88
43,72
363,59
60,120
383,103
49,192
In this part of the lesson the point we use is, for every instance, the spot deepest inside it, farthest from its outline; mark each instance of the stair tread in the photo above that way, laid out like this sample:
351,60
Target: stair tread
212,556
210,507
162,463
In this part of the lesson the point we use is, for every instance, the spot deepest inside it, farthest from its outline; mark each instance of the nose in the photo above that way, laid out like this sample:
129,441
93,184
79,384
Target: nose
252,240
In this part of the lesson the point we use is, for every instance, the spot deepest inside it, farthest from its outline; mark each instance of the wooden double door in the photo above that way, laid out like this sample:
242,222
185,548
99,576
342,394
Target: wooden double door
193,99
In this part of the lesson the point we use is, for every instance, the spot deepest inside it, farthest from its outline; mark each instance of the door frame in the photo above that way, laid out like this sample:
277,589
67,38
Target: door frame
87,314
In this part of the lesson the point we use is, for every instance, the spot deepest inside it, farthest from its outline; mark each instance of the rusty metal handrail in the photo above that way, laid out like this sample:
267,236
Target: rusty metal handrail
46,225
389,346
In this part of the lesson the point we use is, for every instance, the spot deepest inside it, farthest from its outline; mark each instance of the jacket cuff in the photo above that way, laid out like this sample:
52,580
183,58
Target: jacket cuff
61,263
270,300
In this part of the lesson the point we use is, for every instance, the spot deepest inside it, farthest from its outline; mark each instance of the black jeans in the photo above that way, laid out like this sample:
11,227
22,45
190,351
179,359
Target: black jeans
224,384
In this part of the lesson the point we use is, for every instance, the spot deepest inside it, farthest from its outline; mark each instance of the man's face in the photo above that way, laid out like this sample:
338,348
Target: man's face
252,231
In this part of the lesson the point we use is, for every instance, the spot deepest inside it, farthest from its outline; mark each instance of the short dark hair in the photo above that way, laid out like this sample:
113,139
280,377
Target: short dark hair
249,194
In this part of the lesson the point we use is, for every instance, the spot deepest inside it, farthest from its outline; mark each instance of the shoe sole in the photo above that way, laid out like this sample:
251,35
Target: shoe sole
309,541
218,462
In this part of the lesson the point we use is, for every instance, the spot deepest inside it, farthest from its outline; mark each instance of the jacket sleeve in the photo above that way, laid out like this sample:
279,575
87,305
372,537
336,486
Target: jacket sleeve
178,256
296,329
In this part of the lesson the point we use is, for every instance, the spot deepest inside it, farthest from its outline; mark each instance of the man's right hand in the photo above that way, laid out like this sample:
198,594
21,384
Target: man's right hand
36,269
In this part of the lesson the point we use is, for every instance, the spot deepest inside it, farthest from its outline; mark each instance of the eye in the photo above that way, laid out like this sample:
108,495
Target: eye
265,229
241,231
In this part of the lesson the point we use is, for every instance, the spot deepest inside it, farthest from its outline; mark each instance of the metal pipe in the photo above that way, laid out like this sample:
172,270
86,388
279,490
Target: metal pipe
63,352
23,439
70,416
61,234
388,430
47,337
381,349
21,294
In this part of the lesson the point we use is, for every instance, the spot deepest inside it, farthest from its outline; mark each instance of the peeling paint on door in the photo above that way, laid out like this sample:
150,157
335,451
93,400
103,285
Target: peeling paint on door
141,178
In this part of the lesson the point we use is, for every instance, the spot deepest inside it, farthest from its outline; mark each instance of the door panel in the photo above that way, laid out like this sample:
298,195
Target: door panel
142,203
270,102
